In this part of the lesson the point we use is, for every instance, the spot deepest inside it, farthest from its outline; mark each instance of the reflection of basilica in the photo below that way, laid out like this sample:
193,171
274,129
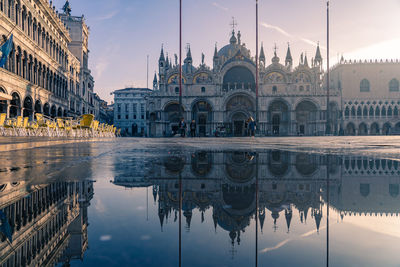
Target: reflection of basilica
48,222
228,182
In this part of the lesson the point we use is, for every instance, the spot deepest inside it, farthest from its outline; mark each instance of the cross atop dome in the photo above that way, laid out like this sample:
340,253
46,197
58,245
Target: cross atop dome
233,24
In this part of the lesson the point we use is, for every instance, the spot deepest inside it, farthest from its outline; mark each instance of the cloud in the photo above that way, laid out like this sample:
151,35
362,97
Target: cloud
219,6
383,50
287,34
107,16
105,238
284,242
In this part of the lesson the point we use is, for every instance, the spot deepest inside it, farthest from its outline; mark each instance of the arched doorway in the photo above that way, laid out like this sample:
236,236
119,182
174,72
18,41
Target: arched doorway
15,105
239,77
238,110
28,107
350,129
238,122
374,129
134,129
153,118
38,106
279,117
53,111
387,129
46,109
172,118
3,103
306,117
362,129
202,114
59,112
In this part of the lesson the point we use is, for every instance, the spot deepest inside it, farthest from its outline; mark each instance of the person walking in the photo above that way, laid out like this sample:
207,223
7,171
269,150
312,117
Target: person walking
182,127
252,127
193,129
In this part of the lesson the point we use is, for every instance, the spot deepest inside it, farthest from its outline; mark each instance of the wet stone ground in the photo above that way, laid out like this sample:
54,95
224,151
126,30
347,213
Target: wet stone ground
200,202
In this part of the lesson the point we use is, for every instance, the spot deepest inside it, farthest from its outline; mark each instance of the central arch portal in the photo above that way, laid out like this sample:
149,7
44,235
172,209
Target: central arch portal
238,110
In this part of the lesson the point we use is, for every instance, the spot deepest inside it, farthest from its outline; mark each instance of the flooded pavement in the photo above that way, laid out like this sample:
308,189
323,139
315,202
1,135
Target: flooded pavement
165,203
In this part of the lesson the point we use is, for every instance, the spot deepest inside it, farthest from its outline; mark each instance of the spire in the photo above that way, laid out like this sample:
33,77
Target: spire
318,57
189,54
155,187
288,215
305,60
275,216
162,58
215,52
262,55
262,218
188,216
238,37
215,220
318,217
275,59
289,59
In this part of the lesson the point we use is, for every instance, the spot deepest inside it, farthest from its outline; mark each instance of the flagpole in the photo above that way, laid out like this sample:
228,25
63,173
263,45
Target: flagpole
328,126
180,60
257,64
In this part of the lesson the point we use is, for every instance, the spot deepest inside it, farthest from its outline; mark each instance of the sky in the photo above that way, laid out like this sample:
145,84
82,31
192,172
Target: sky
124,32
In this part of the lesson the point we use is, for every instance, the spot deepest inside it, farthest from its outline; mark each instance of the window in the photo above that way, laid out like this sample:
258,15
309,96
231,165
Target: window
274,89
394,85
203,89
177,90
127,116
119,116
364,86
119,108
126,108
301,88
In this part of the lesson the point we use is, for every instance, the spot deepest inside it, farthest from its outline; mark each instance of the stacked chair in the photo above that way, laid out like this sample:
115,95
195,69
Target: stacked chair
83,127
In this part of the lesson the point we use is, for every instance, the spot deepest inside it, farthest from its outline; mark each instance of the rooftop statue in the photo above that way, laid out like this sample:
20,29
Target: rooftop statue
67,8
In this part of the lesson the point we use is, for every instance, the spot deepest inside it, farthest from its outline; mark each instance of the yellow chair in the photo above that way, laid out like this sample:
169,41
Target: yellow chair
3,117
46,124
85,125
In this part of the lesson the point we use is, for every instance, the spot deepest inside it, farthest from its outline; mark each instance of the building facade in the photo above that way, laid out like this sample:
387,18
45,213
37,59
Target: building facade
130,106
291,99
46,71
370,96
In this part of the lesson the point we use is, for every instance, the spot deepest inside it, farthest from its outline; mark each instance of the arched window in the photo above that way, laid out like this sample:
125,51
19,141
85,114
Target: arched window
353,111
383,112
359,111
274,89
390,111
364,190
177,90
347,112
203,89
394,190
364,86
365,111
377,112
371,111
394,85
396,112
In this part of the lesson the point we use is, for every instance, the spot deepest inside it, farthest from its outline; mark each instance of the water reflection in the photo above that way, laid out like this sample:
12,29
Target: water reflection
241,187
48,222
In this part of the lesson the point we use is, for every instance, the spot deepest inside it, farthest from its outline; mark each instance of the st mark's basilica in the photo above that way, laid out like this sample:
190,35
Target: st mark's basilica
292,99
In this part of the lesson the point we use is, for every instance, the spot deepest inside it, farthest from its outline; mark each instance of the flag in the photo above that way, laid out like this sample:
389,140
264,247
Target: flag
5,50
5,227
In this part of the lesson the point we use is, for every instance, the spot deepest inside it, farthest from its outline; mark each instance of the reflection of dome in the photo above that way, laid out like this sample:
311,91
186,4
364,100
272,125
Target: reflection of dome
174,164
239,200
201,163
278,163
306,164
240,167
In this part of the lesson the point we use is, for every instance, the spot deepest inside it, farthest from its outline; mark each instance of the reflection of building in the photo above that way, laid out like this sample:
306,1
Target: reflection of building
292,99
130,110
48,222
286,183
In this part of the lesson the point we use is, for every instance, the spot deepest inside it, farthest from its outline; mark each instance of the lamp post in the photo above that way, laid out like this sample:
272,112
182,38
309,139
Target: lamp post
180,59
328,125
257,118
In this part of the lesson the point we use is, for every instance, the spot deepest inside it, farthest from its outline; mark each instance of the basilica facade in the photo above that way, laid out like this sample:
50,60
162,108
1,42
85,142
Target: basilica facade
291,99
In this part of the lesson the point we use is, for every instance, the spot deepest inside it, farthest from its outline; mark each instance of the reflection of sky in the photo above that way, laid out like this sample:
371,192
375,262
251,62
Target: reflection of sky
120,234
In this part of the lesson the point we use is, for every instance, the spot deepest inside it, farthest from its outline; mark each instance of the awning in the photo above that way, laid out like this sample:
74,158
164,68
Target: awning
4,96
